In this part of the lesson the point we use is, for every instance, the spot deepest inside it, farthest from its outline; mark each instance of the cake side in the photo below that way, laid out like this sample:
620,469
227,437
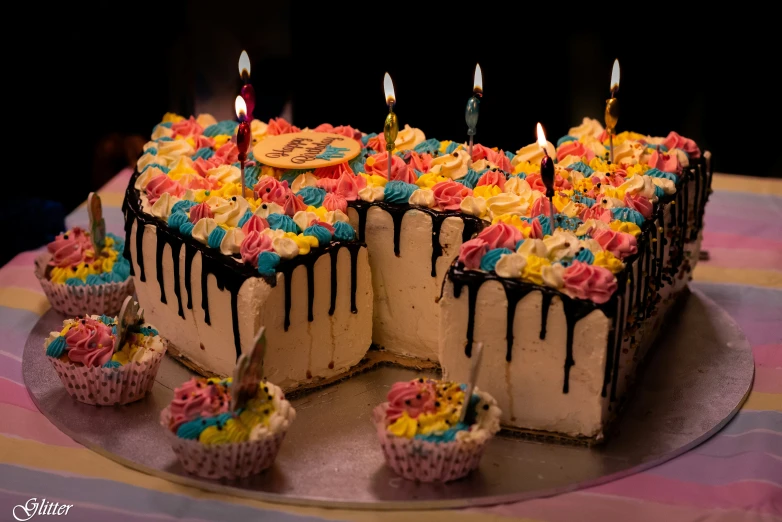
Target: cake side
564,364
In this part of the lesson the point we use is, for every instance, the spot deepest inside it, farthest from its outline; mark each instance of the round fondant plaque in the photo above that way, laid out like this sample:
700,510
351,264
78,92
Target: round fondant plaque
306,150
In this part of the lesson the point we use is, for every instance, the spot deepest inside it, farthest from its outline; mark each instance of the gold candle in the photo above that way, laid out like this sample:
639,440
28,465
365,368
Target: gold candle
391,126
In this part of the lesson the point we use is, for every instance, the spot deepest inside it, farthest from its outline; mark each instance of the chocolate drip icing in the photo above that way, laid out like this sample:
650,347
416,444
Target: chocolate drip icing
397,212
128,228
574,312
619,327
514,294
140,248
189,253
228,273
161,242
333,302
544,306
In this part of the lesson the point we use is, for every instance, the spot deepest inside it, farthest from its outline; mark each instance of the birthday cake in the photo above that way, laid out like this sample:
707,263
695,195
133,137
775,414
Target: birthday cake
409,254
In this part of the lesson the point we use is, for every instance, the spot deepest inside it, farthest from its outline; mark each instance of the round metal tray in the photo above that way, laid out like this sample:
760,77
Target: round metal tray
698,376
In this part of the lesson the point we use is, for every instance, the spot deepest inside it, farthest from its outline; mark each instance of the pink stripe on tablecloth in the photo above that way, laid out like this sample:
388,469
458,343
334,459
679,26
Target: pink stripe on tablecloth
20,277
15,394
24,259
713,239
750,494
768,380
769,355
745,258
25,424
119,182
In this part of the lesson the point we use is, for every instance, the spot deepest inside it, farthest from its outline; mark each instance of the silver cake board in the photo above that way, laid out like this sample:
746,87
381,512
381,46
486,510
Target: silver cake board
697,377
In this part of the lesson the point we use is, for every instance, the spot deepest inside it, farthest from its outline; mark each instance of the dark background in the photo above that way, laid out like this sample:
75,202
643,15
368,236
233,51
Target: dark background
99,83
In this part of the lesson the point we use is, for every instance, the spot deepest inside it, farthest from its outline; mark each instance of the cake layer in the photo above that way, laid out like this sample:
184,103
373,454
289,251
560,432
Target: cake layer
555,363
410,250
316,308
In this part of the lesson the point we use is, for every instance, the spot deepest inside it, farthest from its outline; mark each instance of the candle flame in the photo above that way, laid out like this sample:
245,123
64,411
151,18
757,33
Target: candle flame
615,77
244,65
388,88
541,137
478,79
241,107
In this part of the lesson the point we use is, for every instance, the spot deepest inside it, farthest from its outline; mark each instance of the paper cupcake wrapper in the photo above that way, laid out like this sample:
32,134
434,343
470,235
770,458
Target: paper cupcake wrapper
225,461
101,386
82,300
424,461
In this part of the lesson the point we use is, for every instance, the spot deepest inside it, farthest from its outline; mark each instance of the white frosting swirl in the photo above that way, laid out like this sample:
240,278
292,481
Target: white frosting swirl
232,241
333,216
588,127
264,209
205,120
590,225
510,265
473,206
161,132
684,160
225,174
422,198
303,218
285,247
628,152
668,186
228,211
143,179
532,153
307,179
562,244
452,165
273,234
506,204
147,159
162,207
258,129
372,193
552,275
520,187
408,138
174,149
203,228
641,185
533,246
592,245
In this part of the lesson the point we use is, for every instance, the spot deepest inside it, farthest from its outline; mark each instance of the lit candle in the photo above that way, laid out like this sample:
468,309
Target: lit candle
243,134
547,174
247,92
391,126
612,108
473,105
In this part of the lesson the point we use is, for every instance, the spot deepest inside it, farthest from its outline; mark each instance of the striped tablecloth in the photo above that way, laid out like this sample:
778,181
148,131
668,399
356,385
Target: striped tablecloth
736,475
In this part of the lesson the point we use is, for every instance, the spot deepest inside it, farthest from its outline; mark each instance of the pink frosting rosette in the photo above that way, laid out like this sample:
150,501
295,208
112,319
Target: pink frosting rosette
293,204
199,212
449,195
471,252
203,166
501,235
333,171
665,162
343,130
377,143
334,201
575,148
617,178
90,342
327,184
420,162
492,177
380,166
413,397
195,399
255,224
536,230
68,248
480,152
253,244
187,128
161,184
561,183
536,182
204,142
677,141
271,190
407,175
590,282
618,243
499,159
348,186
196,182
541,206
228,154
639,203
598,212
279,126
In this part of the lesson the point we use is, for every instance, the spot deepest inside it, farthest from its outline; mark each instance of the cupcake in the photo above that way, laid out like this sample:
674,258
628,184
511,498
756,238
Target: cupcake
79,281
93,367
421,432
212,441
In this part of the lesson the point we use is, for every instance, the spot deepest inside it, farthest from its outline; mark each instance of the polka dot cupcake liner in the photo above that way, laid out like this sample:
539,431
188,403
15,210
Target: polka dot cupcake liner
226,461
425,461
82,300
101,386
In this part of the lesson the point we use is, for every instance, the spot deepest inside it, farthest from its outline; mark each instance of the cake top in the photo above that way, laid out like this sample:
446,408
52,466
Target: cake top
430,410
74,260
190,177
200,410
92,341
